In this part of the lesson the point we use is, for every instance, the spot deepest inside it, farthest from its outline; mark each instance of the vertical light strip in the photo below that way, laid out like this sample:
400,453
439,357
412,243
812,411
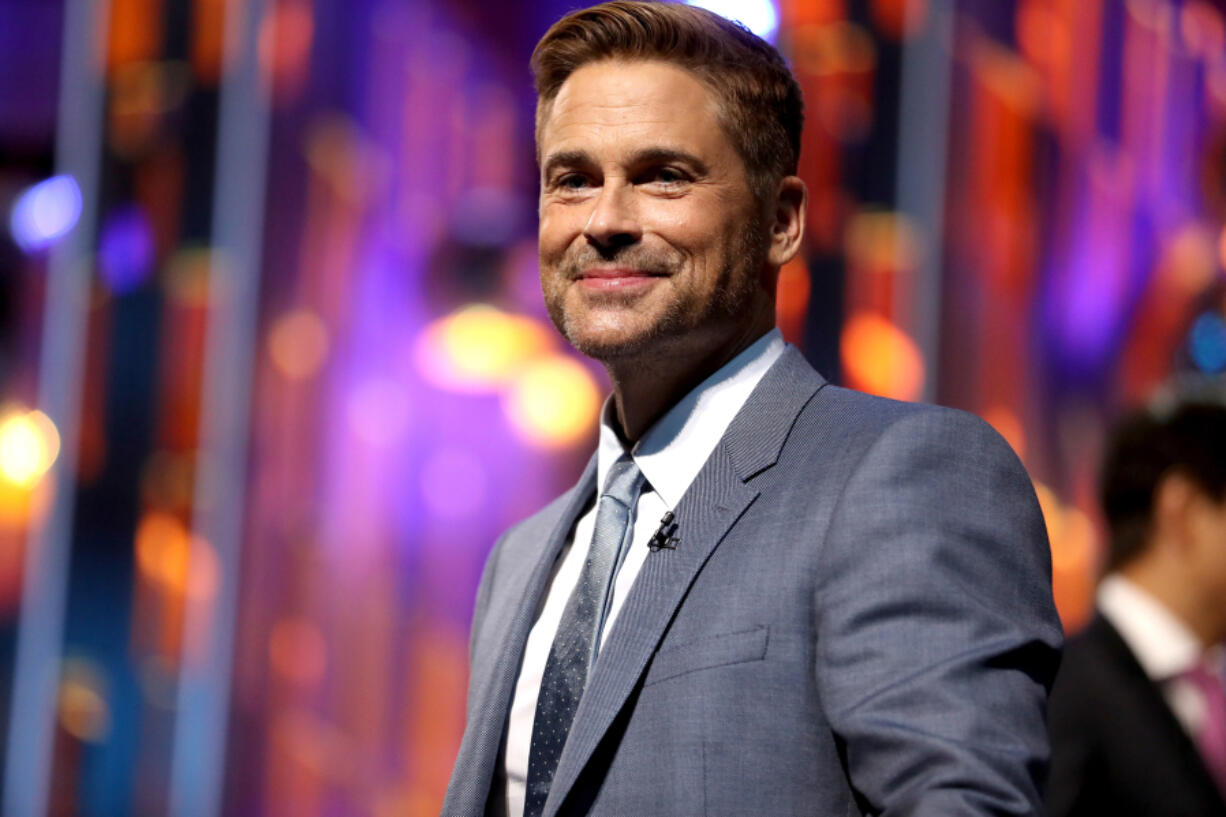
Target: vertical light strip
923,140
40,630
197,772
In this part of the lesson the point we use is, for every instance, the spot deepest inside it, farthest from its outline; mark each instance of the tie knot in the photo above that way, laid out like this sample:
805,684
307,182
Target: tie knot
624,481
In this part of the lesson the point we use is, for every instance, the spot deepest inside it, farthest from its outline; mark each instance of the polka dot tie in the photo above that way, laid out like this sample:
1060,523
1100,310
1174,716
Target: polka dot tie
578,638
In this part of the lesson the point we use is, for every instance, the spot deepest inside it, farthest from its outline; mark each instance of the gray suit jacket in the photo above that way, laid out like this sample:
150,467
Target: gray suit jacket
858,619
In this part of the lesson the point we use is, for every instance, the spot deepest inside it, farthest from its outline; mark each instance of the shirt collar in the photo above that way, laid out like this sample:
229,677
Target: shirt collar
675,448
1162,644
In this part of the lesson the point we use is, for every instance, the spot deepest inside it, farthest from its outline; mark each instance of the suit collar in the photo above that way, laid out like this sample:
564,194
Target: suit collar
756,436
1150,708
674,449
1162,644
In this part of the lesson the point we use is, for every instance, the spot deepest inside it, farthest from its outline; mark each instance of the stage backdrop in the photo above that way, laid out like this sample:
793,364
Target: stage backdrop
275,372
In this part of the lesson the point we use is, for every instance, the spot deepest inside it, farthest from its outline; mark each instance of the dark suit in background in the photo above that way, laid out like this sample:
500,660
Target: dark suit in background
1117,748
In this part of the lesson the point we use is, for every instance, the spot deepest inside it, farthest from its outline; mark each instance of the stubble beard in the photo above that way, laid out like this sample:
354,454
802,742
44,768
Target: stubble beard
681,316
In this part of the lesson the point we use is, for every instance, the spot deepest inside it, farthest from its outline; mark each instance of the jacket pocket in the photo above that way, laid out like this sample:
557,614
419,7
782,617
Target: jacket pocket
713,651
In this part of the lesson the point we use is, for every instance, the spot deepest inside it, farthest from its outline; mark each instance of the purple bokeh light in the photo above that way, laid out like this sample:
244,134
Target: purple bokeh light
45,212
126,249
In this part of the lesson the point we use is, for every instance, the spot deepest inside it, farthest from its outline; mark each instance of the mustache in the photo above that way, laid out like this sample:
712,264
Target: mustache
652,263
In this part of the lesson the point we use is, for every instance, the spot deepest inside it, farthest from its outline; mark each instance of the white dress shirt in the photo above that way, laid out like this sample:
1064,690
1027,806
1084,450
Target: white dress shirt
1164,647
670,455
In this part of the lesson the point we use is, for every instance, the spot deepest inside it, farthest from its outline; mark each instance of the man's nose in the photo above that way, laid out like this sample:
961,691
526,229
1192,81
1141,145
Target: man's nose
614,222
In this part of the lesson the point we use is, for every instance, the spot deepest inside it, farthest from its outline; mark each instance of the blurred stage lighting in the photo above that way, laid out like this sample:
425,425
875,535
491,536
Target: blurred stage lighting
553,403
29,444
759,16
1207,343
45,212
126,249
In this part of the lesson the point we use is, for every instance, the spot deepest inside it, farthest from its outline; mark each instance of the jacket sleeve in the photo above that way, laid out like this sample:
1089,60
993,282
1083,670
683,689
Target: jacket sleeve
937,635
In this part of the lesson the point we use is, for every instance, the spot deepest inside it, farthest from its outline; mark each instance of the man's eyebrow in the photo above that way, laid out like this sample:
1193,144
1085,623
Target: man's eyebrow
662,155
565,158
646,156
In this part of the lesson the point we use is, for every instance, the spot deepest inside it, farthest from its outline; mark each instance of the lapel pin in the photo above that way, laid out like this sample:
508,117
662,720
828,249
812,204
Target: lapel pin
665,536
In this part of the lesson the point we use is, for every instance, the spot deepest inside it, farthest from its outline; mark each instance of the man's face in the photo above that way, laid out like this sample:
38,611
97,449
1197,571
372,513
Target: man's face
650,238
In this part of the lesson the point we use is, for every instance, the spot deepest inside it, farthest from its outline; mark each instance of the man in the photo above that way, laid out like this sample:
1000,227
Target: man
787,598
1138,712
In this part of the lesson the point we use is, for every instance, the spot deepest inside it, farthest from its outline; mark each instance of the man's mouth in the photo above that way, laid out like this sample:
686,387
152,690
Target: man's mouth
608,279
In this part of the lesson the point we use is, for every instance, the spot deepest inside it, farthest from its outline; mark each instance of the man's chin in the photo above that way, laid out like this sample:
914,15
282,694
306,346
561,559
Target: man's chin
609,349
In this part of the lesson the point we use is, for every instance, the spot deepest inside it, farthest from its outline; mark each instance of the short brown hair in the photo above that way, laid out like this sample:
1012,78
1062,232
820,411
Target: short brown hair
760,101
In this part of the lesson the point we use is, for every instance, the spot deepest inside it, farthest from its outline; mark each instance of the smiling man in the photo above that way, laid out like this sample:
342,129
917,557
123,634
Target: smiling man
766,594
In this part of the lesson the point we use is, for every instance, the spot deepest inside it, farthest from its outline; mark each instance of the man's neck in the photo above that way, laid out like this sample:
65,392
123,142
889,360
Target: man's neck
645,389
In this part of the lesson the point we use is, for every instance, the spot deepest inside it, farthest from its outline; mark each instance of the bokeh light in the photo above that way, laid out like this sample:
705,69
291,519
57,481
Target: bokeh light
880,358
83,709
553,402
1071,534
45,212
125,249
298,344
1007,424
759,16
185,566
29,444
1207,343
480,347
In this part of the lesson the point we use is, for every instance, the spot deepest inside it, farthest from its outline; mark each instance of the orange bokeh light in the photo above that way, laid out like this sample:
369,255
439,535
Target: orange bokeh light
1007,424
878,357
173,559
1073,563
298,344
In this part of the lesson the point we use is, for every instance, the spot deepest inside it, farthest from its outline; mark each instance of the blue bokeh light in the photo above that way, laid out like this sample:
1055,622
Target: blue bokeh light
45,212
1207,343
759,16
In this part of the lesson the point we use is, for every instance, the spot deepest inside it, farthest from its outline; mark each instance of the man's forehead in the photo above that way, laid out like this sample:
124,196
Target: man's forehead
625,96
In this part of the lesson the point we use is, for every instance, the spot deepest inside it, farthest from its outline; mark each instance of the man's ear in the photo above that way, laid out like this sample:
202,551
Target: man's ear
787,220
1174,499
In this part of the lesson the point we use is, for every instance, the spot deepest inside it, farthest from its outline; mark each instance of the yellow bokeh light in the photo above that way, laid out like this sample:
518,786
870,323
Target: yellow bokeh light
480,347
553,402
880,358
298,344
29,444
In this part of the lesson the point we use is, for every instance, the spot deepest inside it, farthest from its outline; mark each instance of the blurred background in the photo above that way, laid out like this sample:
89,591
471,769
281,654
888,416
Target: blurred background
275,373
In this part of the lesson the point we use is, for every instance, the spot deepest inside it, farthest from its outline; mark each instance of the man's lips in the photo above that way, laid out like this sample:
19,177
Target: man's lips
617,278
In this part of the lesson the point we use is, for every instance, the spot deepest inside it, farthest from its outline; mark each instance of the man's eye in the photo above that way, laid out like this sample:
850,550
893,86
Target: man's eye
666,176
572,181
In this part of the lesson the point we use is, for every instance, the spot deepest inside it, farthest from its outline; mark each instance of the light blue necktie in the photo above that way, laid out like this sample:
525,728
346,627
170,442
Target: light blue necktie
578,637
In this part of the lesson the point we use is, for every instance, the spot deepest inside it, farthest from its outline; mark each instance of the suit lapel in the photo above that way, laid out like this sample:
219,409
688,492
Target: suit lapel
710,508
525,585
1153,710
